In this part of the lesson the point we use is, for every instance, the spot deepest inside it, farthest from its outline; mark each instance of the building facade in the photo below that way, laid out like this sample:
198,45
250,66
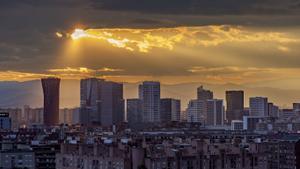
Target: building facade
51,100
234,105
258,106
149,94
214,112
170,110
101,102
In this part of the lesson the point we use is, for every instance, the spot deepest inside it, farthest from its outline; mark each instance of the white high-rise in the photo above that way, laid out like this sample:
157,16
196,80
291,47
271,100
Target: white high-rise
258,106
149,94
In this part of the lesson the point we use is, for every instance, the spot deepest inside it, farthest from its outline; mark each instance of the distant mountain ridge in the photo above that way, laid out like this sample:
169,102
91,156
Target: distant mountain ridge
17,94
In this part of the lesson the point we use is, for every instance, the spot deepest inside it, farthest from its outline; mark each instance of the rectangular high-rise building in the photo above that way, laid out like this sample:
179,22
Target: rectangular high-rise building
273,110
134,111
90,97
234,105
51,100
214,112
196,111
296,107
169,110
5,121
112,104
101,102
149,94
258,106
203,94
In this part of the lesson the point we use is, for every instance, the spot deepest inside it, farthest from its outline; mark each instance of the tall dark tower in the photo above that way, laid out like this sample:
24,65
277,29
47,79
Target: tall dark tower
51,101
235,105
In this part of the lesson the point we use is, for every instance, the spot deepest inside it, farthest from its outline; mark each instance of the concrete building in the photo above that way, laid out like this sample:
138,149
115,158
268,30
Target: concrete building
284,153
17,159
196,111
45,155
214,112
273,110
134,112
15,114
250,122
5,121
236,125
90,101
86,156
69,116
51,100
101,102
33,116
287,114
258,106
149,94
203,94
296,108
234,105
170,110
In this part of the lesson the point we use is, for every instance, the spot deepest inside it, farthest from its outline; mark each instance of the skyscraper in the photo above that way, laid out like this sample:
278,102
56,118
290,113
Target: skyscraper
101,102
149,94
112,103
51,100
196,111
134,112
214,112
234,105
296,107
169,110
90,96
273,110
258,106
203,94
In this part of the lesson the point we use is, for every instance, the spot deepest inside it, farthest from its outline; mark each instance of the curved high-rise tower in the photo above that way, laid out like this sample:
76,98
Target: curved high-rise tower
51,100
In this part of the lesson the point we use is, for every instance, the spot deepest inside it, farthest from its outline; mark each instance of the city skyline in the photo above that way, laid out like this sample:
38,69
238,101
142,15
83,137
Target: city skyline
184,45
149,84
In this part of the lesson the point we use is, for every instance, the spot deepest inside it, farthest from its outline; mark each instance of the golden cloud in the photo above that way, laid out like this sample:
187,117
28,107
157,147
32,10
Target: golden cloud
143,40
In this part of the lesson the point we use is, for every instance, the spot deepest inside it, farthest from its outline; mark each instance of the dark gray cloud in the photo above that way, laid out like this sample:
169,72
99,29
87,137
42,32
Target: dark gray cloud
27,27
204,7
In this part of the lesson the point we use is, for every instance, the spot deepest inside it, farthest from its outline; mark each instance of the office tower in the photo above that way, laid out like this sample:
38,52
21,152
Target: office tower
287,114
214,112
101,102
250,122
273,110
112,103
196,111
149,94
234,105
51,101
90,105
203,94
169,110
258,106
5,121
134,111
296,107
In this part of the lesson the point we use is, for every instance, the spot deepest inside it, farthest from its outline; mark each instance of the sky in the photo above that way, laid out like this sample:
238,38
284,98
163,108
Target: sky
247,42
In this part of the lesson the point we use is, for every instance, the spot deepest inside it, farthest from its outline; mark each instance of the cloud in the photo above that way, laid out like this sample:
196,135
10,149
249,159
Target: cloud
201,7
246,75
144,40
283,49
